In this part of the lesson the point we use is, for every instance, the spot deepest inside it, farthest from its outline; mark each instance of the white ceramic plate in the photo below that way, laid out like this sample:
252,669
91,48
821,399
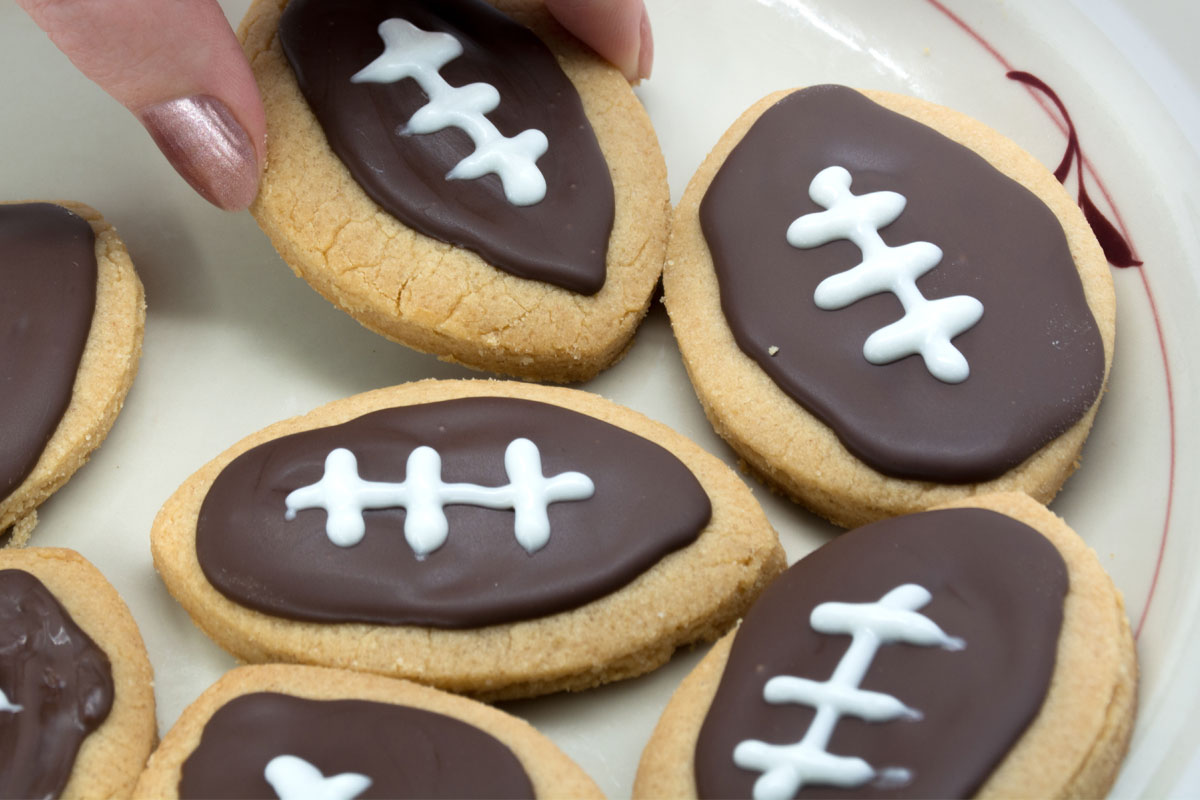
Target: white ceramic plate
234,342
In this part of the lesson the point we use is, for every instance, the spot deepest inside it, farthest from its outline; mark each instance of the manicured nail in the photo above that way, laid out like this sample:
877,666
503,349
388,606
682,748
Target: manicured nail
207,146
646,53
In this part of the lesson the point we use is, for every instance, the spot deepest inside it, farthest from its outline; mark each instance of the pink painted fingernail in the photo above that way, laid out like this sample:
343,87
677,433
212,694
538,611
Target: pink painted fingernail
646,53
207,146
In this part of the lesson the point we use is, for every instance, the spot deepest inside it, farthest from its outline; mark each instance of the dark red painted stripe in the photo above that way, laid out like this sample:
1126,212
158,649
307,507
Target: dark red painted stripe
1084,164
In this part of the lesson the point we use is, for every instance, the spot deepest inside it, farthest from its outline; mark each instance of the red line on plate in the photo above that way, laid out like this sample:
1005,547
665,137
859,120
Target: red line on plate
1041,100
1162,345
1162,545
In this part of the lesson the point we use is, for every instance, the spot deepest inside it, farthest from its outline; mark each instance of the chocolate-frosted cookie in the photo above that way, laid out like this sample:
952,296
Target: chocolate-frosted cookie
910,308
73,312
466,180
977,650
76,687
261,730
500,539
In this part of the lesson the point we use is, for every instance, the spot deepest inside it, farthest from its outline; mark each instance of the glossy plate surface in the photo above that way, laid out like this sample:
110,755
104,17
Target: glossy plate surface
234,342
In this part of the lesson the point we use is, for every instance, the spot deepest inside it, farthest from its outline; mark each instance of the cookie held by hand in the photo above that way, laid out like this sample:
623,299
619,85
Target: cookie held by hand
76,687
491,538
262,729
469,181
74,313
884,305
977,650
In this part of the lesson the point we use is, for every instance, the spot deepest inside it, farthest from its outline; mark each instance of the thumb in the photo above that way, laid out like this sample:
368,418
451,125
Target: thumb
179,68
619,30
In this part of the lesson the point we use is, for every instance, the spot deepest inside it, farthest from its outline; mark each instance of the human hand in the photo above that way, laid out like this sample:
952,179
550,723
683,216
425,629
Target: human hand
619,30
179,68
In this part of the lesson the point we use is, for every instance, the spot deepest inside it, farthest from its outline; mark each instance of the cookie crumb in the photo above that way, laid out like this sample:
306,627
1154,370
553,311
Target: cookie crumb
772,350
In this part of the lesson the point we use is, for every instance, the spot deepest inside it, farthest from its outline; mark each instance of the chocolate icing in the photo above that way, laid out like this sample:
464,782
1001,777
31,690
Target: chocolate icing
996,583
646,504
47,297
1036,357
58,675
562,240
406,752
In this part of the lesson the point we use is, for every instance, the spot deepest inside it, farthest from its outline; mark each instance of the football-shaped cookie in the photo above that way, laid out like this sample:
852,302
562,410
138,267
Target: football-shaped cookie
969,651
270,731
462,177
71,319
885,305
499,539
76,687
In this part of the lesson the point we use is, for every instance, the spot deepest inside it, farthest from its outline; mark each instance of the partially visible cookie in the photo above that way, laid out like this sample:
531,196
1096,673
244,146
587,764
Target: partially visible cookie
521,232
493,538
76,687
261,729
974,650
884,305
73,312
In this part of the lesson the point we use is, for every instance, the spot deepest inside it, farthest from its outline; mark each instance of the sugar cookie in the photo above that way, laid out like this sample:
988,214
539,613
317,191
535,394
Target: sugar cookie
884,305
262,729
77,704
69,350
526,242
497,539
983,642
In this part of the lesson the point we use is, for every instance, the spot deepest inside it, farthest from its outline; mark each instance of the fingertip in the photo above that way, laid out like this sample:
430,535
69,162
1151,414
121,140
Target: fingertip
619,30
180,69
646,47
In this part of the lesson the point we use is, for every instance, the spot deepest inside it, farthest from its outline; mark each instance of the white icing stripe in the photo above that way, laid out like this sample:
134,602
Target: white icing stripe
6,705
787,768
344,496
293,778
410,52
927,325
